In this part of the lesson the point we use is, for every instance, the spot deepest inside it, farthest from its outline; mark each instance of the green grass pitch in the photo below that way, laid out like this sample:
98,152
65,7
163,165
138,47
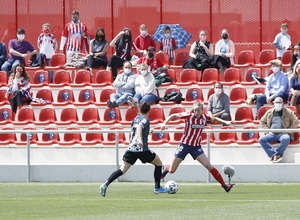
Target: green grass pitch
135,200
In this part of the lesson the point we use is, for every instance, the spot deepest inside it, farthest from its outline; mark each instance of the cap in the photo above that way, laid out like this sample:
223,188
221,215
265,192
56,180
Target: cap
151,48
21,30
275,62
296,46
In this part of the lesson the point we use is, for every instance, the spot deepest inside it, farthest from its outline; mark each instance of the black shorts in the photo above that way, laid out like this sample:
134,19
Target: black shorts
144,156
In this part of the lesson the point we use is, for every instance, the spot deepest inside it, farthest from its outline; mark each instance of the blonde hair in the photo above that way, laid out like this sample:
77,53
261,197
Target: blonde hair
197,105
46,24
295,74
143,26
144,65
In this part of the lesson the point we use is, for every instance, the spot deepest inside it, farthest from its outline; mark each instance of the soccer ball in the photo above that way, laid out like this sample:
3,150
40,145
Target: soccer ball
172,186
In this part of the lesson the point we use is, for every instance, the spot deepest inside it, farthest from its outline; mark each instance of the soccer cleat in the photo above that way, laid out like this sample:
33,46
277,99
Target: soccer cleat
161,190
228,187
103,189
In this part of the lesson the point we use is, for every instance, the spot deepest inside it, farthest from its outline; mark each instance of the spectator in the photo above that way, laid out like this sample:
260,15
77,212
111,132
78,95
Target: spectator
278,118
124,46
200,52
277,86
295,87
168,44
18,49
47,45
144,40
282,36
3,54
144,88
218,103
296,55
73,35
224,52
98,51
18,92
124,84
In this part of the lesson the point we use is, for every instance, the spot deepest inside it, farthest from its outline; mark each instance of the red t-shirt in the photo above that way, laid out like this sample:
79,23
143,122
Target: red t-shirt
144,42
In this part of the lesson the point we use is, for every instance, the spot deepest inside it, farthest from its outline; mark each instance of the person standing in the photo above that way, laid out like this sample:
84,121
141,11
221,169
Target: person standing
281,37
168,44
144,40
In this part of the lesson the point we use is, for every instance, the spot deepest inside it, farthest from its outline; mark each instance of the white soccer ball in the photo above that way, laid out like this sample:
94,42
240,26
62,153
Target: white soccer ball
172,186
228,170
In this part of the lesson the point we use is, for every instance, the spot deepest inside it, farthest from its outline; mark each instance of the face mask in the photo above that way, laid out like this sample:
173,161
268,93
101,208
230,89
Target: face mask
143,33
283,31
203,38
225,36
144,72
127,71
21,36
218,91
297,55
126,36
167,35
275,69
46,31
278,106
75,20
150,55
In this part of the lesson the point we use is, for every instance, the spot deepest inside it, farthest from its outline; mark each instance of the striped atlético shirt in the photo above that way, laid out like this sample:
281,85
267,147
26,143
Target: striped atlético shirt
124,53
193,128
73,34
165,46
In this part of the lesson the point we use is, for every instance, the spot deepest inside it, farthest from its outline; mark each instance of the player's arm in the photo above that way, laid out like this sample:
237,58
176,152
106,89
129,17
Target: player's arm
164,125
222,121
140,135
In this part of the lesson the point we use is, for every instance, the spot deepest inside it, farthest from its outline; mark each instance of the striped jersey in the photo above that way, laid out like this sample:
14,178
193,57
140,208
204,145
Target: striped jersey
124,53
165,46
73,34
193,128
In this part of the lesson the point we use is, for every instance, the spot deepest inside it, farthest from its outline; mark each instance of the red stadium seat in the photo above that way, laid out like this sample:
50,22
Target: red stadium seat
177,136
103,78
296,139
156,115
3,99
45,94
246,59
6,138
232,76
23,138
175,110
265,56
179,60
47,116
111,116
68,116
82,78
85,97
243,115
193,94
40,79
170,73
209,93
169,90
204,136
159,138
248,138
130,114
104,96
92,138
209,77
89,116
64,97
163,58
57,62
25,116
3,78
61,78
49,138
226,138
5,116
249,80
286,59
258,90
71,138
262,110
188,77
111,137
238,95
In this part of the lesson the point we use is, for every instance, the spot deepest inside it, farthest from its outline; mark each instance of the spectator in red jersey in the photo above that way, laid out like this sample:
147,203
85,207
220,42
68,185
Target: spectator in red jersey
190,142
144,40
168,44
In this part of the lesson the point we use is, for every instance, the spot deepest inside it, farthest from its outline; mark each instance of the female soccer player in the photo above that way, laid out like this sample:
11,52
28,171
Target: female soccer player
138,149
191,141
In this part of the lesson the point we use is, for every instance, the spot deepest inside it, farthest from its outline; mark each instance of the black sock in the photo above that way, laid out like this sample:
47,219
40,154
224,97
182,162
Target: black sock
113,176
157,175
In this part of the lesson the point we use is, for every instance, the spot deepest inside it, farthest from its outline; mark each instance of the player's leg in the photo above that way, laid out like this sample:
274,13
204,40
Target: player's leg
157,175
173,167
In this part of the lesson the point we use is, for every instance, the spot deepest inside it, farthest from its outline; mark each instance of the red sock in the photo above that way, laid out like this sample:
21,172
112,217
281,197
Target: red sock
217,176
168,168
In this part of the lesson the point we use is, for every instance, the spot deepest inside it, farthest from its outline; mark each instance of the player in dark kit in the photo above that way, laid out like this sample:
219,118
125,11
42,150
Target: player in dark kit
138,149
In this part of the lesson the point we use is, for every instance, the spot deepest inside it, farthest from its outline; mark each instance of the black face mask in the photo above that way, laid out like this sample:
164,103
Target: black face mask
100,37
225,36
298,55
150,55
126,36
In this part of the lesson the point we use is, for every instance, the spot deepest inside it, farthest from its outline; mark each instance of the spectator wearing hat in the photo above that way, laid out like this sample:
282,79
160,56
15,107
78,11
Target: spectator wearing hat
18,49
154,65
296,55
277,86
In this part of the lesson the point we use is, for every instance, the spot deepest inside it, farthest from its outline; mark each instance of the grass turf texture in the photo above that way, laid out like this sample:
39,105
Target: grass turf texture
137,201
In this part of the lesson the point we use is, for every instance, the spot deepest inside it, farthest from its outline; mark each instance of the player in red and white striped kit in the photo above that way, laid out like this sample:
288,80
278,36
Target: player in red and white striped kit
190,142
73,34
168,44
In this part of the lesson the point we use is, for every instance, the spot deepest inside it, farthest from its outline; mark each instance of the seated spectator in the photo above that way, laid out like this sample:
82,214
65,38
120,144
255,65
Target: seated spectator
224,52
218,103
3,54
200,52
98,51
124,46
168,44
145,89
18,92
124,83
278,118
277,86
18,49
296,55
295,87
144,40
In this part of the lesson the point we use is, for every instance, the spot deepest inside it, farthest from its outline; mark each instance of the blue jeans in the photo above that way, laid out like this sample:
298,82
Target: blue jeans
50,73
263,99
9,64
148,98
269,138
119,98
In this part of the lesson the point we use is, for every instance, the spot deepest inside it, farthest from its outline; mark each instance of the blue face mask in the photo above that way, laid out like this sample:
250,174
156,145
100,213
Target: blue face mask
278,106
283,31
75,20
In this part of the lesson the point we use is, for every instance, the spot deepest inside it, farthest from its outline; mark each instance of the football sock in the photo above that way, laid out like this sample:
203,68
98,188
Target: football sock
217,176
157,175
166,171
113,176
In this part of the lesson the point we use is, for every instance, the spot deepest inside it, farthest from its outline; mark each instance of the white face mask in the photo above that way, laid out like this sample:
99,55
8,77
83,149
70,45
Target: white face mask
21,36
283,31
278,106
127,71
144,72
275,69
218,91
143,33
167,35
